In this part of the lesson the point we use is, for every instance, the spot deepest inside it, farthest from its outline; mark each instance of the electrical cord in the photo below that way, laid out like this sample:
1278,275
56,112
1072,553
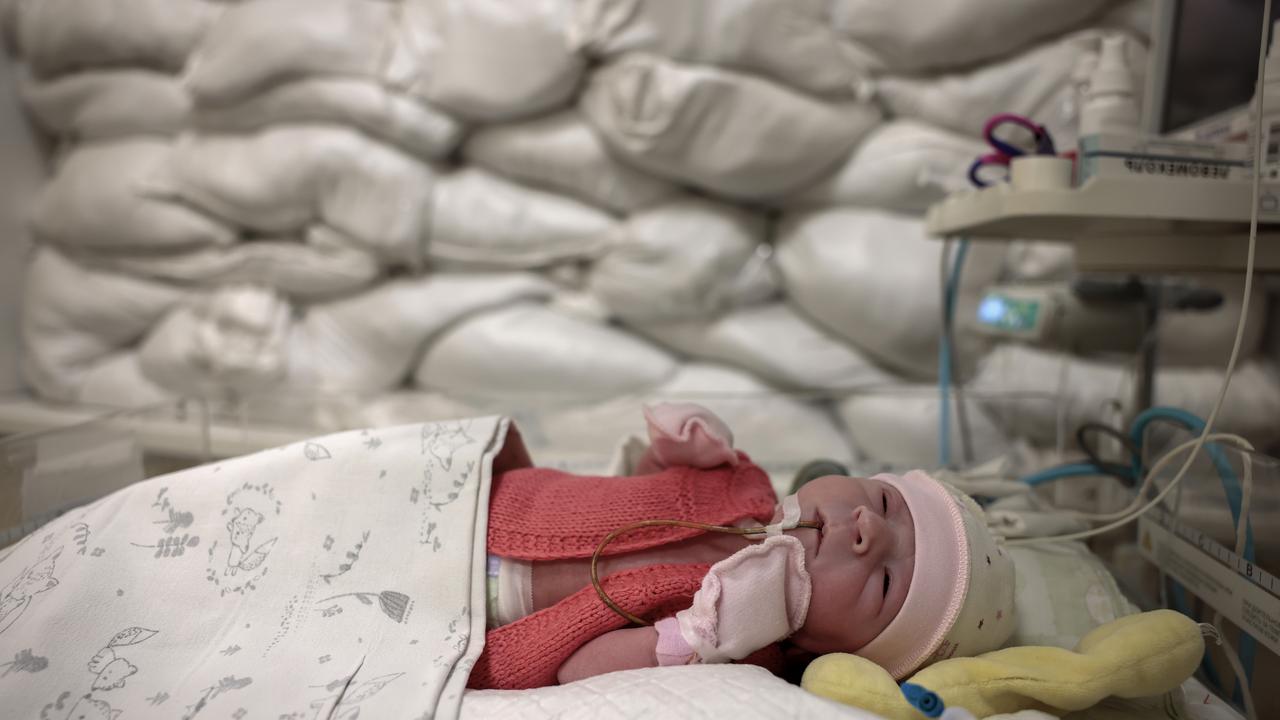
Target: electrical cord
1239,500
1124,473
1211,632
1160,465
1230,485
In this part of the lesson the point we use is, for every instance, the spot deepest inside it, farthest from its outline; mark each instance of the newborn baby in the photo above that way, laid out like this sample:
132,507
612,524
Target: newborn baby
900,570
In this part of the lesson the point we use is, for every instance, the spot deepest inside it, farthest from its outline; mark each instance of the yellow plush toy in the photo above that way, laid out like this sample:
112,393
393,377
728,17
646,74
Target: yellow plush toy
1135,656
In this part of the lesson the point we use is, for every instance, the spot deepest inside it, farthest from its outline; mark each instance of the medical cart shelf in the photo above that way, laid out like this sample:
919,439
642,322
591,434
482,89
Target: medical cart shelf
1121,224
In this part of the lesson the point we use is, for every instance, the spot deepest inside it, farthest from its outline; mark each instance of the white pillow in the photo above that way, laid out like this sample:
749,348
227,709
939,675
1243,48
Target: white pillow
1063,592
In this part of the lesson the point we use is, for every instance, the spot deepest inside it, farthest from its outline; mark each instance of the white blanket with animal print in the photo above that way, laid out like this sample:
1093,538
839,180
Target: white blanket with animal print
341,577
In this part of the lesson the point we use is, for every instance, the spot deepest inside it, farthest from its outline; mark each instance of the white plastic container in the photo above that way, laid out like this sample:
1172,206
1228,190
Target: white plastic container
1111,101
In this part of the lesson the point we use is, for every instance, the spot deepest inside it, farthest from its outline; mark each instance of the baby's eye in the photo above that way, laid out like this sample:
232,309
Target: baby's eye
886,583
884,497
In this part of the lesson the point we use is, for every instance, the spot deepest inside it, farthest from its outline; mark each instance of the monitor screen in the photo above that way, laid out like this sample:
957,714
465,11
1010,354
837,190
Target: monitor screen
1212,59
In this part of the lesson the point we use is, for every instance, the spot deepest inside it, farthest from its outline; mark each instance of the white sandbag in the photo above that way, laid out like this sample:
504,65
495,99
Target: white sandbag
256,45
1204,338
497,59
117,381
687,258
108,103
1034,261
903,165
282,179
896,428
731,133
791,41
479,219
119,195
531,352
24,173
774,342
9,27
873,278
382,112
562,152
1038,83
1097,389
1130,16
368,343
228,344
486,60
72,318
58,36
907,36
324,264
780,433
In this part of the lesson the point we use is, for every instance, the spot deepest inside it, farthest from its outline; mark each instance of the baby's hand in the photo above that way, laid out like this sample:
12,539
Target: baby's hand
685,434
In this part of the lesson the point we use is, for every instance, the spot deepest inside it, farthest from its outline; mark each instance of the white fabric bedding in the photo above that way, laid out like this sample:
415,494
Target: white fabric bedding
327,578
296,559
316,570
742,692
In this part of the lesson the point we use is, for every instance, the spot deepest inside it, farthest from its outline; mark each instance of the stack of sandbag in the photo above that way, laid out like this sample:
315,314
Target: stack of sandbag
498,205
872,278
77,328
585,437
561,152
484,61
96,71
102,81
730,133
247,339
271,210
19,182
898,427
1096,389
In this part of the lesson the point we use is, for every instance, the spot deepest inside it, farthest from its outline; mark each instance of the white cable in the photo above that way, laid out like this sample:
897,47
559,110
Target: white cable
1256,139
1213,633
1206,433
1193,445
1149,480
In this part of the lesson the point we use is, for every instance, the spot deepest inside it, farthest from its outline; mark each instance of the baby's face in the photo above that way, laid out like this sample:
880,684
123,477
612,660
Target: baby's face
860,563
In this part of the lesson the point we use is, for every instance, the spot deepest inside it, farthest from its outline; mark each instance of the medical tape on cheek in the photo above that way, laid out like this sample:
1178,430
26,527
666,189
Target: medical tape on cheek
790,516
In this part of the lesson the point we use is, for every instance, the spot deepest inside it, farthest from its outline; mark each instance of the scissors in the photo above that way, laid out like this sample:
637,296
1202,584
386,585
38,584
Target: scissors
1002,150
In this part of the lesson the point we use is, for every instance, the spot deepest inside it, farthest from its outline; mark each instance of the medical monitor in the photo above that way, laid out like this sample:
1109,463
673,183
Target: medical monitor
1204,62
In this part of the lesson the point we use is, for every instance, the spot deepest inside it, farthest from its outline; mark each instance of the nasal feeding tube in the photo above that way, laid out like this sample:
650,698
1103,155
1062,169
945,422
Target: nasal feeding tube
790,520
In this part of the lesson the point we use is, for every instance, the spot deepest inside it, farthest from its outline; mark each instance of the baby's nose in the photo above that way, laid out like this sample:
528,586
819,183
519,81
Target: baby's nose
868,530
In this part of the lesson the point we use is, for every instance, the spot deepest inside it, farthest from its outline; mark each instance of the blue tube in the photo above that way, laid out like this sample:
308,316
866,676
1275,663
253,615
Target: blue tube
1235,497
1230,483
944,403
924,700
945,370
1062,471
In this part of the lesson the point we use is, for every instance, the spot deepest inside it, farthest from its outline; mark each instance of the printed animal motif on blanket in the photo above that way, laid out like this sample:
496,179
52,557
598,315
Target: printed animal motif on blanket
287,584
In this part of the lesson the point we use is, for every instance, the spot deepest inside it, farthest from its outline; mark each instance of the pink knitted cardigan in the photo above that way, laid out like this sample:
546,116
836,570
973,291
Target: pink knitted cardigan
545,514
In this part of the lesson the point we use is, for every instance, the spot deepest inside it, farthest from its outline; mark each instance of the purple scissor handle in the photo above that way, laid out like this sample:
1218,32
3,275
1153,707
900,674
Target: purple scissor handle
1003,150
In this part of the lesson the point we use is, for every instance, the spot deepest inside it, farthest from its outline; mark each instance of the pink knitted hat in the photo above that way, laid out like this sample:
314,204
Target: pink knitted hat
961,597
